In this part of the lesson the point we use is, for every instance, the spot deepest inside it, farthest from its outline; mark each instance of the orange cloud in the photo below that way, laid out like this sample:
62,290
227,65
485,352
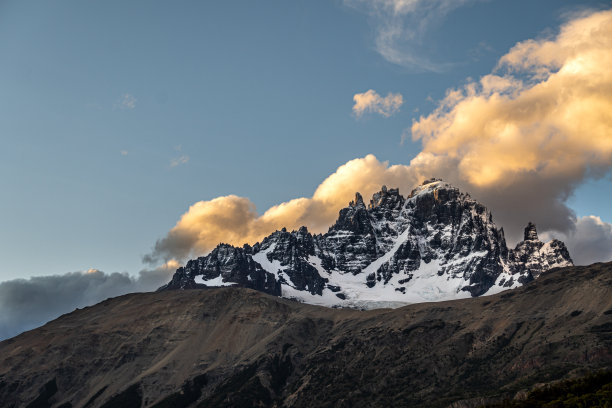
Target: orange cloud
520,140
370,101
550,113
234,220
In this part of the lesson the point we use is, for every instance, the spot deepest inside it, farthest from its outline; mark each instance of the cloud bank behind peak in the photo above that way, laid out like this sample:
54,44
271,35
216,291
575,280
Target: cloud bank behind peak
520,140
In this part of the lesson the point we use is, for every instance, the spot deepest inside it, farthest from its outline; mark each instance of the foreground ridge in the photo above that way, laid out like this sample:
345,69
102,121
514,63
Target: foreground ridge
236,347
436,244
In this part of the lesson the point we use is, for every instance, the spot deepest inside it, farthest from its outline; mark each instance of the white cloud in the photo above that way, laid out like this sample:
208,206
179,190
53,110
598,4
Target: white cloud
590,240
124,152
125,102
177,161
401,26
370,101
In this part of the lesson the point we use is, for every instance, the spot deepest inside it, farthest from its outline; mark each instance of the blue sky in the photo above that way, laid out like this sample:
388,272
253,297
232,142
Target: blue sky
117,116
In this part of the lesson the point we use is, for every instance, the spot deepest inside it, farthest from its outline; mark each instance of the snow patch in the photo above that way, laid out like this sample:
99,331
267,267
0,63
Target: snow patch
218,281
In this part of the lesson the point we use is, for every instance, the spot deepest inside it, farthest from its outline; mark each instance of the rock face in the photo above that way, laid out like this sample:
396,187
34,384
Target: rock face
531,257
436,244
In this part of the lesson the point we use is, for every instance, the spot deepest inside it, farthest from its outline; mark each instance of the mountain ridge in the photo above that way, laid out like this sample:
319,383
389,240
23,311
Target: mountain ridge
435,244
230,347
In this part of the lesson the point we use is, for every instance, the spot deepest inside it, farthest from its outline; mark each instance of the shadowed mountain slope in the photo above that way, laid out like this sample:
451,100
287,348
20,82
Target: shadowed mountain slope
236,347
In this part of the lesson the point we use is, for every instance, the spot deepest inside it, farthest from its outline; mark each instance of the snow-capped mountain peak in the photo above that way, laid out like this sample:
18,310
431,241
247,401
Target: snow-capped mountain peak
436,244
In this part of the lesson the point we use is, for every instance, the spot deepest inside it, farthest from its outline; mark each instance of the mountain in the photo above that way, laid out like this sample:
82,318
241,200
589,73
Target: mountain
236,347
436,244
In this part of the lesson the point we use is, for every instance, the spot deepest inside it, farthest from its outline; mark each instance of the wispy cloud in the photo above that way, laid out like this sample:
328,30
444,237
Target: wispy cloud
125,102
177,161
123,152
401,26
477,52
370,101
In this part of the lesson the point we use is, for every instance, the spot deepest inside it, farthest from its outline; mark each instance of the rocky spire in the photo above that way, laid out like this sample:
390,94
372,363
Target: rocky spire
389,198
531,234
358,202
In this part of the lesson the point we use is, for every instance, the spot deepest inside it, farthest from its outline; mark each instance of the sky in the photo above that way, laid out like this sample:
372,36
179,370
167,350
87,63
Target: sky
136,135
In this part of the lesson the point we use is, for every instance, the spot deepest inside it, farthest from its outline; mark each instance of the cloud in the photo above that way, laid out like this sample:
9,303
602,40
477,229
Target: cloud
401,25
124,152
481,49
177,161
234,220
590,240
125,102
28,303
370,101
520,140
525,136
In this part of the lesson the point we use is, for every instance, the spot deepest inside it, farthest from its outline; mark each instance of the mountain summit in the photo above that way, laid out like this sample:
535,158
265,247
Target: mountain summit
436,244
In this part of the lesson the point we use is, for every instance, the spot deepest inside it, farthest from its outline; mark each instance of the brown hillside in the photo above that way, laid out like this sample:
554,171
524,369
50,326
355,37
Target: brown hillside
238,347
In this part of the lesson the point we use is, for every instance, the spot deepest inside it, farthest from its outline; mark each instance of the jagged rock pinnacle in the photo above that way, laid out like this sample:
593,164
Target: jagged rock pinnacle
531,234
431,180
358,202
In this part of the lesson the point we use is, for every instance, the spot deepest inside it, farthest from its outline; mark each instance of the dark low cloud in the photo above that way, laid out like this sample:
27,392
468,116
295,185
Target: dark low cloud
29,303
